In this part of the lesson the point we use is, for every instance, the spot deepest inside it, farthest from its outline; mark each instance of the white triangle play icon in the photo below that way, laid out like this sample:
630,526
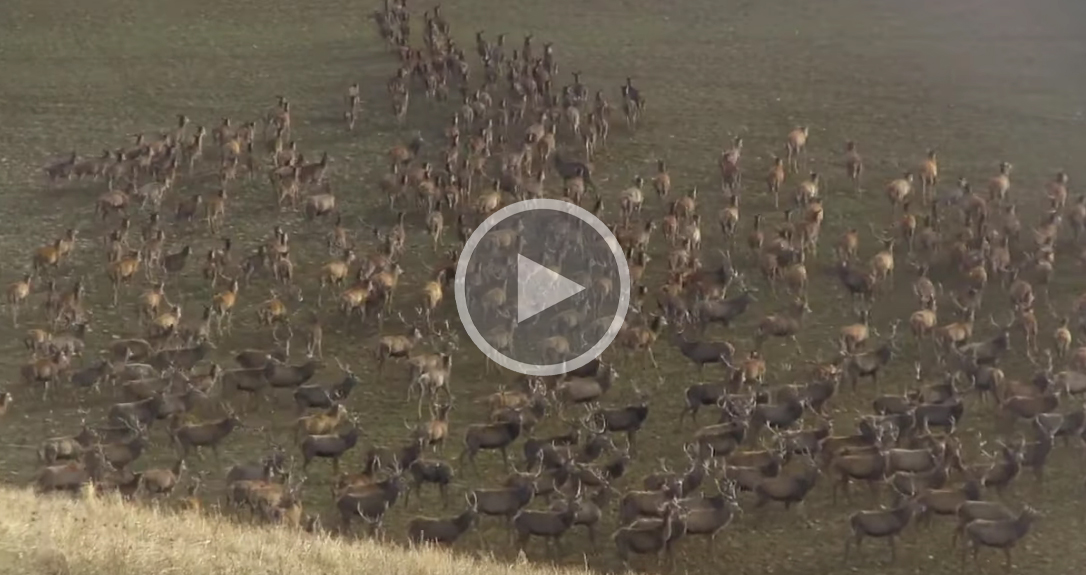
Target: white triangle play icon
539,288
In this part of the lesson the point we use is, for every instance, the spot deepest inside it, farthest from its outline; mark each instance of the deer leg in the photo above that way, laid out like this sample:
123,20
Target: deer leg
954,536
682,416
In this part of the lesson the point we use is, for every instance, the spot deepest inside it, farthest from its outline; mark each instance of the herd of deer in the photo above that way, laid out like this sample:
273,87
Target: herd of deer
512,126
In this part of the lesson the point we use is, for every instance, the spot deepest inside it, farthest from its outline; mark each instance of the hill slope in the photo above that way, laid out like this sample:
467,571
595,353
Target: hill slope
60,535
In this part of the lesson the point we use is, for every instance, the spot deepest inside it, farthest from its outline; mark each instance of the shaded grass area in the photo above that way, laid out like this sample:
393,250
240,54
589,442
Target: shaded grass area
981,83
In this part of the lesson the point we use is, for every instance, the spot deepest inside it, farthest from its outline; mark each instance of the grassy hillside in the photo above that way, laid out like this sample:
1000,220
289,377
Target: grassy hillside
54,536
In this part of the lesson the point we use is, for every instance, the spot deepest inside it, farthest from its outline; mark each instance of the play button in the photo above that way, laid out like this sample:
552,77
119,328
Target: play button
539,288
542,287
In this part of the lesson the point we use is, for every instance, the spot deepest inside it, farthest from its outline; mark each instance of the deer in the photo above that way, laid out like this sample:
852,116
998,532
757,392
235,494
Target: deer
723,311
329,446
323,423
491,436
999,185
922,322
999,533
71,476
853,336
795,144
649,536
430,471
723,438
1035,454
929,176
444,531
775,179
371,502
788,488
158,481
746,469
545,450
396,346
282,375
139,413
783,325
881,523
433,378
700,395
119,455
871,466
586,389
551,525
589,511
969,511
898,190
67,448
265,470
640,339
193,436
951,336
869,363
882,263
627,419
946,501
46,371
314,396
395,458
505,502
713,515
988,352
1004,470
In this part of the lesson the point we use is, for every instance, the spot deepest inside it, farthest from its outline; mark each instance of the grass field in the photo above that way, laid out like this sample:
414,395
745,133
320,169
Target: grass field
58,541
980,81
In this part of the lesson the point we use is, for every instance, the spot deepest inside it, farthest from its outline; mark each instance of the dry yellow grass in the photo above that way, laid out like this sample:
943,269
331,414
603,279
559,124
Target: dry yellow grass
61,535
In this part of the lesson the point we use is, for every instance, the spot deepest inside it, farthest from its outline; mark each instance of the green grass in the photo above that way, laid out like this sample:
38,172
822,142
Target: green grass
981,83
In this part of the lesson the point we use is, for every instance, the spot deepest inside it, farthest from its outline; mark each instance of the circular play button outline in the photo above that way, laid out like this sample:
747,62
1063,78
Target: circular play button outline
459,287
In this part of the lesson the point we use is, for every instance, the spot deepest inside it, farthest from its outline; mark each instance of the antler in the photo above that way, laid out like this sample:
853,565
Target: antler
991,318
133,425
663,465
877,235
588,422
